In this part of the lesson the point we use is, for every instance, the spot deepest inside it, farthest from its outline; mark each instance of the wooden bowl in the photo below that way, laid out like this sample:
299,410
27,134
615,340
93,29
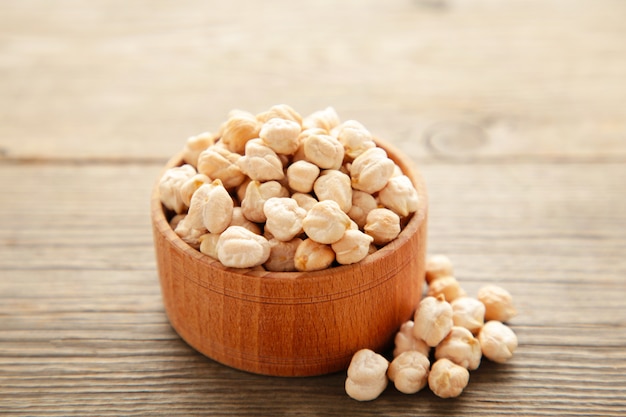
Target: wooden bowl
292,323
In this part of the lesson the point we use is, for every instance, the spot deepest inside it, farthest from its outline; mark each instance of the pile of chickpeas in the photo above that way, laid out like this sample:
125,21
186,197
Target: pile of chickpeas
283,192
448,326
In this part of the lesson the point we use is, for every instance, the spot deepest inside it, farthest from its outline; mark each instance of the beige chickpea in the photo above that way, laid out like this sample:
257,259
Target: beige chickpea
281,111
313,256
284,217
208,244
461,347
497,341
367,375
301,176
193,226
256,195
326,119
334,185
176,219
238,219
447,379
449,287
240,127
352,247
217,212
195,145
260,162
383,225
325,222
400,196
282,255
371,170
306,201
237,247
281,135
217,162
191,185
433,320
498,303
170,184
362,204
409,372
405,340
438,266
468,312
354,137
323,150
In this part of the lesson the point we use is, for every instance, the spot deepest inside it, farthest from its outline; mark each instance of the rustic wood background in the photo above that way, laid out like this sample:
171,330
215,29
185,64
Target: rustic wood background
514,111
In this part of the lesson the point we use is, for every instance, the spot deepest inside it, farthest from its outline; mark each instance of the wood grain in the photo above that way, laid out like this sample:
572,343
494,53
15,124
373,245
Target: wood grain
513,112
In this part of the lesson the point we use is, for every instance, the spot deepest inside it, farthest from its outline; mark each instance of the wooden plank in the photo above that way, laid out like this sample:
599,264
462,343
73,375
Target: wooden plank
473,79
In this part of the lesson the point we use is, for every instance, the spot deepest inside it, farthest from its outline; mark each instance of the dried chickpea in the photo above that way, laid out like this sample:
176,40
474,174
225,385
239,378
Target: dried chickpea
354,137
256,195
334,185
383,225
498,303
400,196
283,217
352,247
468,312
240,127
217,210
497,341
237,247
239,219
217,162
362,204
281,135
438,266
326,119
447,379
449,287
282,255
406,340
313,256
433,320
461,347
301,175
192,226
195,145
170,184
371,170
281,111
325,222
409,372
260,162
191,185
306,201
367,375
208,244
323,150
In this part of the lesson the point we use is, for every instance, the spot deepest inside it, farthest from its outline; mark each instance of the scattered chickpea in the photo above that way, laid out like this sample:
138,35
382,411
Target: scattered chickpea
461,347
409,372
448,286
438,266
498,303
367,375
433,320
406,340
468,312
447,379
497,341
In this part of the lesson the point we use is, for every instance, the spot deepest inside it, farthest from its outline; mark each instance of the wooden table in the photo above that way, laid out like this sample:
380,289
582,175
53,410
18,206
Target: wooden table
515,112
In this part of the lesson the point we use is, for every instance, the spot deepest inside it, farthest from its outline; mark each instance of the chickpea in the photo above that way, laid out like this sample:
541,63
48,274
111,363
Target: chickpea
313,256
334,185
325,222
468,312
282,255
449,287
367,375
406,340
217,162
498,303
438,266
260,162
301,175
383,225
461,347
256,195
352,247
371,170
447,379
497,341
281,135
237,247
284,217
409,372
323,150
433,320
362,204
240,127
400,196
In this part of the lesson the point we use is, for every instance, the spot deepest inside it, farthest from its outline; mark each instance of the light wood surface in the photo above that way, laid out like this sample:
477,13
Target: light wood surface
513,111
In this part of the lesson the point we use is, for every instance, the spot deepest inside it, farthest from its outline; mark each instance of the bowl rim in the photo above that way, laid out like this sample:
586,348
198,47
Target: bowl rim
161,224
